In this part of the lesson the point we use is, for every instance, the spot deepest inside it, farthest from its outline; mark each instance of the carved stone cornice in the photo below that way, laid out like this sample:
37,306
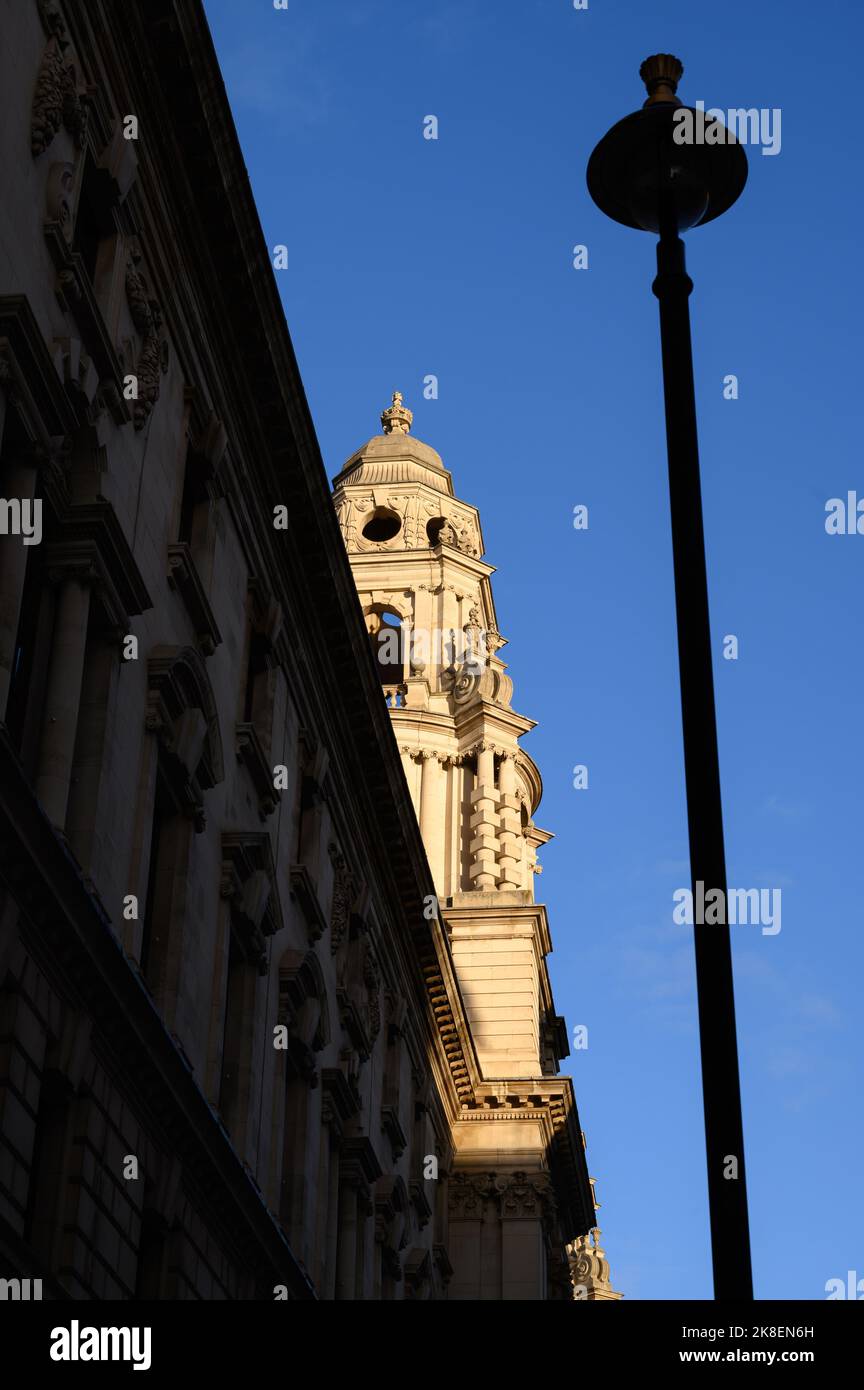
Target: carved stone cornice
29,374
339,1099
392,1128
391,1205
305,893
359,1168
351,1015
442,1264
76,297
90,540
418,1269
184,578
267,613
250,753
397,1012
248,883
301,979
178,688
419,1201
451,1041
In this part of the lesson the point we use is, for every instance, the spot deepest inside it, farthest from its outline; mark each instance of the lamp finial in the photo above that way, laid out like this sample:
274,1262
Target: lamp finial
661,75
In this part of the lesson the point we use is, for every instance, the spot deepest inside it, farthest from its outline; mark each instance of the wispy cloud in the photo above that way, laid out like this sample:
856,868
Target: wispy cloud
783,808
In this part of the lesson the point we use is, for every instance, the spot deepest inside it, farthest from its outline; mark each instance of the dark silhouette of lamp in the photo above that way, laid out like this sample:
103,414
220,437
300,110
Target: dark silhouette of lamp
656,171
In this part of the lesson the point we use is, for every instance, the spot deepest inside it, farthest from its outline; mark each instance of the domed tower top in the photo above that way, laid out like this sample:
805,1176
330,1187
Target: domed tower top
416,551
395,456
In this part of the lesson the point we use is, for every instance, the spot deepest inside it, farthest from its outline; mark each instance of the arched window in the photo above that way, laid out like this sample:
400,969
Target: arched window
385,629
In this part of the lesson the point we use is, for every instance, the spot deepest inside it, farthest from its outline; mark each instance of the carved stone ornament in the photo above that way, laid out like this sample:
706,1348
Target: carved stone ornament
58,198
55,100
468,1192
343,894
372,981
589,1267
526,1196
397,418
457,534
153,358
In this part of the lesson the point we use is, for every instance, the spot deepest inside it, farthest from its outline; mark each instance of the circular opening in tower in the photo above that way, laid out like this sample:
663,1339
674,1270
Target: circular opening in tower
434,528
382,525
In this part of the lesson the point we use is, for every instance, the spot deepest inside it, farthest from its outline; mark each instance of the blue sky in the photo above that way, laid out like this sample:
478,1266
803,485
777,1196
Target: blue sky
409,257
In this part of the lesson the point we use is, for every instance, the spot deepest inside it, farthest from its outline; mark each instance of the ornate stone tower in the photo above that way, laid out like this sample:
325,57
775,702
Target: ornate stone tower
416,553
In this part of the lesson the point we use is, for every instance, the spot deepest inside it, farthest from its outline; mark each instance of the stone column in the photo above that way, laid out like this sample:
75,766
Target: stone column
511,826
346,1260
412,777
484,822
19,481
523,1247
60,721
466,1201
332,1223
96,691
433,814
406,648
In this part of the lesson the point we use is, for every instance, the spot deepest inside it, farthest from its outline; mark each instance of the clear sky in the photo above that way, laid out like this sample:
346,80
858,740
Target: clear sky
409,257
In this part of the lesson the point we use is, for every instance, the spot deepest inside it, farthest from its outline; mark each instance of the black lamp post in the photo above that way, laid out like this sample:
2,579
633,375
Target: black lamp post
641,175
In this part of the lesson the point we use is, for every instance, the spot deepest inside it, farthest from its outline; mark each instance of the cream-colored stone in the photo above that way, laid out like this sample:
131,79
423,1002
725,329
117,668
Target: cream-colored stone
416,553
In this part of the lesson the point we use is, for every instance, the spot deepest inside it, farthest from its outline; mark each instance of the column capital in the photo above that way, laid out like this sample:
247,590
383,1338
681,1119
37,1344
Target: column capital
529,1196
431,755
60,569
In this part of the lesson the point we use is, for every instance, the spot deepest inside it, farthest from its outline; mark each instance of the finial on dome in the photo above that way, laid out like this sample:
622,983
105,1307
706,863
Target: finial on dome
661,75
397,418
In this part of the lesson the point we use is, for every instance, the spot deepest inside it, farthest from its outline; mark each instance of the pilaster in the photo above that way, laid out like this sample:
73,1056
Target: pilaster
60,723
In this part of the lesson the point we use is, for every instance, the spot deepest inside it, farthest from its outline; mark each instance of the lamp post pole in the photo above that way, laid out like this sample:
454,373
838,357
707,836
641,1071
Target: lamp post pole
641,176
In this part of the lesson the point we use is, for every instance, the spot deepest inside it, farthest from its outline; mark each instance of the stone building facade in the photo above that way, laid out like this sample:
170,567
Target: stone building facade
416,552
240,1057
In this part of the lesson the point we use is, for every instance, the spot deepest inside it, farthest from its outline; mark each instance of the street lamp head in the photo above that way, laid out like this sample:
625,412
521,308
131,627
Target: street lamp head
666,167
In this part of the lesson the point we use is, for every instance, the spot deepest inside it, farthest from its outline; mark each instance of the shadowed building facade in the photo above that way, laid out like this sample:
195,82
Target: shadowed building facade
240,1057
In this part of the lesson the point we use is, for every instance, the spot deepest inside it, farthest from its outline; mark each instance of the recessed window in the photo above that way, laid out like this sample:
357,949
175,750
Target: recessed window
387,634
382,525
195,502
94,221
